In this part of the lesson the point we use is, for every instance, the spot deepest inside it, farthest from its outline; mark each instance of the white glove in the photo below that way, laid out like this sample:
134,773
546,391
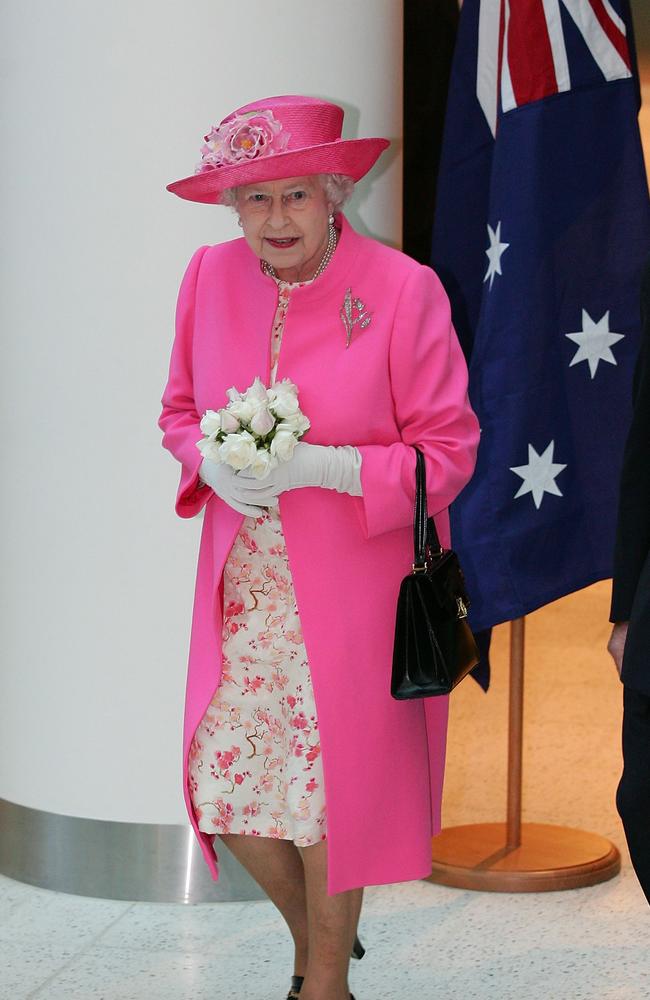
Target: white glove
331,467
226,484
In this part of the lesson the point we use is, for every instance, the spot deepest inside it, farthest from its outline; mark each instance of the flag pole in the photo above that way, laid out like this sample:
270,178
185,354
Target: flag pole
515,856
515,732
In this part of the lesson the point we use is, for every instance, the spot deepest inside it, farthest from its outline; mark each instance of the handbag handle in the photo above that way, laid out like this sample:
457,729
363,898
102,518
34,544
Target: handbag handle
425,536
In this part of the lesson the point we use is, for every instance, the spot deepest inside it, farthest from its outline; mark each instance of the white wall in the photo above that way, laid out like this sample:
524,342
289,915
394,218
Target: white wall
103,104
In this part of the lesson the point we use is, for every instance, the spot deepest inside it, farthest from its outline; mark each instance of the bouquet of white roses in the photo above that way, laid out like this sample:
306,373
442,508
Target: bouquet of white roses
257,429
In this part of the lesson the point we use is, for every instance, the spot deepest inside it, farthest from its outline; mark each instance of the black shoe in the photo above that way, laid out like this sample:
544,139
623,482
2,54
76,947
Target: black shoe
358,951
296,986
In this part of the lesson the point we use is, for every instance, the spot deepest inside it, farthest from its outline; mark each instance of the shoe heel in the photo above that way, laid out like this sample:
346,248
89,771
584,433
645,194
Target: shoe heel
296,986
358,951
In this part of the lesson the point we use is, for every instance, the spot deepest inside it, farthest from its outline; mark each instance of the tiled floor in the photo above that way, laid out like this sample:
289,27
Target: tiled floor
423,941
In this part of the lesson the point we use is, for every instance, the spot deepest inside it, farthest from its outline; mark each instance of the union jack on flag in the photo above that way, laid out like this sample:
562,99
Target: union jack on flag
542,227
522,49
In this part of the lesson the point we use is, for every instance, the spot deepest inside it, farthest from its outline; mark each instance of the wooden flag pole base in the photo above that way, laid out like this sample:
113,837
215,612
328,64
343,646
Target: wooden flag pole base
548,858
511,857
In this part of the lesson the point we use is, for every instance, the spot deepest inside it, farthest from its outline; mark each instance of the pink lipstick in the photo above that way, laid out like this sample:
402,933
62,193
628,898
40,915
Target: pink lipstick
283,244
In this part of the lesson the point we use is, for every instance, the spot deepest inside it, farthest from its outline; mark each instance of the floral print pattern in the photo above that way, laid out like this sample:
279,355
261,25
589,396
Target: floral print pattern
284,296
255,761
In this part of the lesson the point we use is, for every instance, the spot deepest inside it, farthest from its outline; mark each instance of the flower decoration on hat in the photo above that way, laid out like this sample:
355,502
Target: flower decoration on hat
241,138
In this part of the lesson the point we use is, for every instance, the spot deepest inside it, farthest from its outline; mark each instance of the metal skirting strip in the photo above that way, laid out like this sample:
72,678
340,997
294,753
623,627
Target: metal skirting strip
108,860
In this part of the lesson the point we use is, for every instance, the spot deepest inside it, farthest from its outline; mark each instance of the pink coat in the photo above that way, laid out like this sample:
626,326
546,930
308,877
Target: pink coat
402,381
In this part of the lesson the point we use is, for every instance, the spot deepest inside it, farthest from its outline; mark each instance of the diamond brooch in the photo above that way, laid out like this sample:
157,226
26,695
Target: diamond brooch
353,312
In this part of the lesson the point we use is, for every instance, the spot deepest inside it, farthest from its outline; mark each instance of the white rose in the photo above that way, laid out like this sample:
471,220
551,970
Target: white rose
256,394
283,444
262,421
233,394
297,423
263,463
228,421
285,399
209,448
242,410
210,423
238,450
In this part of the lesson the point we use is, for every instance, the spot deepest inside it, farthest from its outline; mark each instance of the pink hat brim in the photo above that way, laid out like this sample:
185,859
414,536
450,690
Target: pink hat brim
352,157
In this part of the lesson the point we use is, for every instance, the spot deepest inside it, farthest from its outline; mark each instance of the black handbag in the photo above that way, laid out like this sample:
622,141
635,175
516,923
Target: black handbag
434,646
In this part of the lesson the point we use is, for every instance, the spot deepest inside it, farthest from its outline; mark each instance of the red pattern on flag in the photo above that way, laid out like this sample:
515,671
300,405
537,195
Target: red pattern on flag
615,35
530,58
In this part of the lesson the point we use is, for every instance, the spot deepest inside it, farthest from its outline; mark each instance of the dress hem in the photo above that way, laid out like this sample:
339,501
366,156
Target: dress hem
264,836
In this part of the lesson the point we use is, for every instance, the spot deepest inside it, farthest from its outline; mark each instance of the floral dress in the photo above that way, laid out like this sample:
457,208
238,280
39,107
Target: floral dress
255,761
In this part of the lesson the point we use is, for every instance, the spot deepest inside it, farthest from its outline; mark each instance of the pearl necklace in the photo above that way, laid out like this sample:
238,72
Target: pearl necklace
327,256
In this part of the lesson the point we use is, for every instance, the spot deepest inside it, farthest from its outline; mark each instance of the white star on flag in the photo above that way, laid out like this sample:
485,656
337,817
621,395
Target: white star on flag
594,340
494,253
539,475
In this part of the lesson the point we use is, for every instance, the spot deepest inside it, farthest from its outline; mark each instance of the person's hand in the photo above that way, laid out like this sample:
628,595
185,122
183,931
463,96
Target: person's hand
334,468
616,644
225,482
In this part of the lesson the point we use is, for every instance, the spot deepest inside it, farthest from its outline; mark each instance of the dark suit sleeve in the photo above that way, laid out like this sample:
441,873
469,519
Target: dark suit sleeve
633,527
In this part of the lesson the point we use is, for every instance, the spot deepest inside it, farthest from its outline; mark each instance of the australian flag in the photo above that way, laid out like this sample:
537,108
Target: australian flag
541,231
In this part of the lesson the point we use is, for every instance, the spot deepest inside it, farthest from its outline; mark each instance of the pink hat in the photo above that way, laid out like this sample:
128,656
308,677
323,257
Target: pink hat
273,138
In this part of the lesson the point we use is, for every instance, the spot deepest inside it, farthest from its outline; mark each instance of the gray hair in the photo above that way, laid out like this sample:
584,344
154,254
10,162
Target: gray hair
337,187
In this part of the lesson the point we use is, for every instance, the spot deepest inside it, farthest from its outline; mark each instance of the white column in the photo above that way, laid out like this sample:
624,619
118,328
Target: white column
103,105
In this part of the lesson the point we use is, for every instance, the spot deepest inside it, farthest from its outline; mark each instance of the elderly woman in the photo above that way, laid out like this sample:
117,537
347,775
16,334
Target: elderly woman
296,756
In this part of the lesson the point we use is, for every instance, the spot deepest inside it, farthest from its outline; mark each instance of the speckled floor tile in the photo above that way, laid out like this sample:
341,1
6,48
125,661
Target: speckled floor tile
181,929
111,974
560,974
250,965
13,895
55,918
24,969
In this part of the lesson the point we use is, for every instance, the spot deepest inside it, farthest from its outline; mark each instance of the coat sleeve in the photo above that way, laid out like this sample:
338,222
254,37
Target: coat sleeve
633,526
179,420
429,385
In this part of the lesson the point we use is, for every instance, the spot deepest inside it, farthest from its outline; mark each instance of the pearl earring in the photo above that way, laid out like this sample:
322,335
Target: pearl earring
331,219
